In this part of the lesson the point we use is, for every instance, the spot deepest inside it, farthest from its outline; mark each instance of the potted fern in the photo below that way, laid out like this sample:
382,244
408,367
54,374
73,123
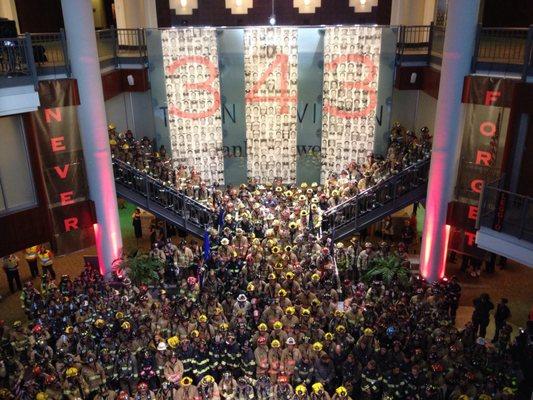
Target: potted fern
387,269
142,268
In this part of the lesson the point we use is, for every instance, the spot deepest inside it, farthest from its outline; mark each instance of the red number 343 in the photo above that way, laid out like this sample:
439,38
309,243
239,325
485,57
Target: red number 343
281,62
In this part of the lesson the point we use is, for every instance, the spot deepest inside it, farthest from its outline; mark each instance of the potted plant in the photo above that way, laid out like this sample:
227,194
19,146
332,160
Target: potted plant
387,269
142,268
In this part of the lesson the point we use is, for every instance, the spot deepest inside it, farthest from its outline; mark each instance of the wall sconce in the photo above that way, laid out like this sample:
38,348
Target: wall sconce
239,6
183,7
363,6
307,6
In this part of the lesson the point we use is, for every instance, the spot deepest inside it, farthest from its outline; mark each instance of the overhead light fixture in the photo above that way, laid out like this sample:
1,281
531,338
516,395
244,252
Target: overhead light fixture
183,7
363,6
272,19
239,6
306,6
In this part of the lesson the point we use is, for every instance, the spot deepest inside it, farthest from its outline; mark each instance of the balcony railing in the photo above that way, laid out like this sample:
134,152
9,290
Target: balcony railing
506,212
157,195
131,43
496,49
13,59
414,40
388,195
45,54
50,53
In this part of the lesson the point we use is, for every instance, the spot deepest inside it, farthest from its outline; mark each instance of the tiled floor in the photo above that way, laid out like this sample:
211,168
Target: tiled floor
513,283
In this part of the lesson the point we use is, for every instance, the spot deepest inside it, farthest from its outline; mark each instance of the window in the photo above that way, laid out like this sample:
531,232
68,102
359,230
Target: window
17,191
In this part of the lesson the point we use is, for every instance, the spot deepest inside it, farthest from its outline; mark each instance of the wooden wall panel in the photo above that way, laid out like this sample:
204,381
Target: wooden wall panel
428,79
431,82
116,82
112,84
403,77
140,78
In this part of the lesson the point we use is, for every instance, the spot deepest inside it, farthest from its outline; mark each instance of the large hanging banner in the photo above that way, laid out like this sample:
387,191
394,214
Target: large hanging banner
351,71
60,151
193,97
487,107
271,75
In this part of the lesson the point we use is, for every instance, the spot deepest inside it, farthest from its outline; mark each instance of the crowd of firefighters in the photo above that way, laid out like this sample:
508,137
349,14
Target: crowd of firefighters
405,148
268,309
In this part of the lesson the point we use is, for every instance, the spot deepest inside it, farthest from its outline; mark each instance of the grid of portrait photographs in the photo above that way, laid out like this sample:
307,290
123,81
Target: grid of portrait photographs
190,61
351,71
270,69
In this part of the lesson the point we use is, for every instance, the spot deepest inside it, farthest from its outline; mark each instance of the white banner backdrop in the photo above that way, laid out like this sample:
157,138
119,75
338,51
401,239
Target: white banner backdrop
351,71
190,61
270,73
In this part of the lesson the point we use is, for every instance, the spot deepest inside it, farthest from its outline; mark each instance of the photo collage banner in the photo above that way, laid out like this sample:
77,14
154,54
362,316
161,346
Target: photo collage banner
271,103
270,75
190,61
350,83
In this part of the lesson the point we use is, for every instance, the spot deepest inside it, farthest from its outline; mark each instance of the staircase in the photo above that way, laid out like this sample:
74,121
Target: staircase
375,203
163,201
340,222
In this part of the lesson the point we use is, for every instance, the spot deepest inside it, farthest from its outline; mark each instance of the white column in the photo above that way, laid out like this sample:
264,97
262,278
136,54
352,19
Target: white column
9,10
458,50
130,14
396,15
408,12
120,14
81,40
150,14
429,12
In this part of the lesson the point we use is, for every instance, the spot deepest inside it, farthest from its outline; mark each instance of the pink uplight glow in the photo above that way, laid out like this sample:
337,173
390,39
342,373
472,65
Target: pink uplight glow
442,270
101,265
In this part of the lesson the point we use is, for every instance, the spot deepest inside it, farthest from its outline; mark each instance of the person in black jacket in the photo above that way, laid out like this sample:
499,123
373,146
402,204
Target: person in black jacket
500,317
480,317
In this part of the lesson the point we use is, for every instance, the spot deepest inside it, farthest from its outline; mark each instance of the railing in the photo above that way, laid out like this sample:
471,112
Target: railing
106,44
382,194
131,42
506,212
414,39
43,54
495,48
153,190
16,57
500,49
501,45
437,43
50,53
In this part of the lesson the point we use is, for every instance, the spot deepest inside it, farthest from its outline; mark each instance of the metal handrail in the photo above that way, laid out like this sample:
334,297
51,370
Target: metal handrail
166,196
50,53
16,58
505,211
370,189
383,193
504,47
493,47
